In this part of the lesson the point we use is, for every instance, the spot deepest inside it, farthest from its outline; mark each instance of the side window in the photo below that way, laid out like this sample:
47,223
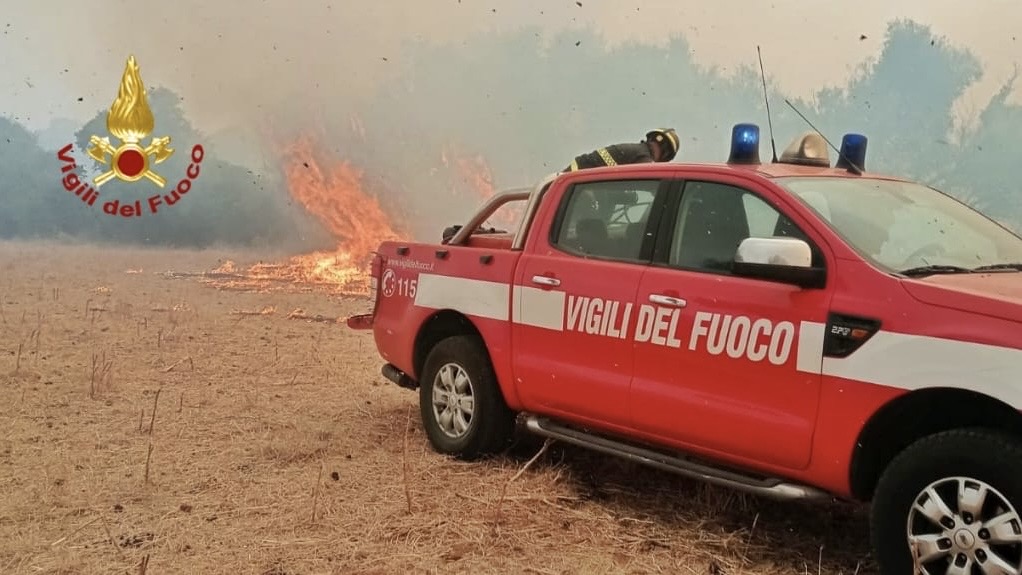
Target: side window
714,218
761,216
606,219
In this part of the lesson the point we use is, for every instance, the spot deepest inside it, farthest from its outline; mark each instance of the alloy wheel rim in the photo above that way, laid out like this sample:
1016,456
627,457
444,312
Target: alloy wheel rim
453,400
964,526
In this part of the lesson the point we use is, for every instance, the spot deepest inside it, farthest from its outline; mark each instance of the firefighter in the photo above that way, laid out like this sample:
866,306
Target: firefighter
659,146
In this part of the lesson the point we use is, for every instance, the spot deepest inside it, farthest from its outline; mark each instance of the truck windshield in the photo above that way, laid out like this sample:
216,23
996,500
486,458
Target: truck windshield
907,227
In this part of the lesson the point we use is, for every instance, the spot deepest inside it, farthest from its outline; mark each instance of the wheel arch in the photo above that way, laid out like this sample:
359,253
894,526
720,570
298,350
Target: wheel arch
437,327
912,416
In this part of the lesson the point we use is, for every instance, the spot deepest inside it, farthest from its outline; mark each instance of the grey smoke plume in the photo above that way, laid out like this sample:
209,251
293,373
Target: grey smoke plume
522,101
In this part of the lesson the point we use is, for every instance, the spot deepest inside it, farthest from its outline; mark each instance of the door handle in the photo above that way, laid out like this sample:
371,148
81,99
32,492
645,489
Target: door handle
667,300
547,281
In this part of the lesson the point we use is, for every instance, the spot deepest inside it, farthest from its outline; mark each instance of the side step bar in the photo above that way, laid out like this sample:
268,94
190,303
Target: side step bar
391,372
767,487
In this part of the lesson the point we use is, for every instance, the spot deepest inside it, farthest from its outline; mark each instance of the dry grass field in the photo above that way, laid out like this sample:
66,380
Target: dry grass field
158,425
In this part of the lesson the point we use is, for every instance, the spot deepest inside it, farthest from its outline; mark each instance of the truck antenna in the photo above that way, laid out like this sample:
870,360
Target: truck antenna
851,165
770,123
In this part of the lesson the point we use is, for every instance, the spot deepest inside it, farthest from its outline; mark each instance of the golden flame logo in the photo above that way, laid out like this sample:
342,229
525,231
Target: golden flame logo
130,120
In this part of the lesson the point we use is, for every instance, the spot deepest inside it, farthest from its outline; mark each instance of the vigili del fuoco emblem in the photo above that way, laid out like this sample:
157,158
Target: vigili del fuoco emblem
131,121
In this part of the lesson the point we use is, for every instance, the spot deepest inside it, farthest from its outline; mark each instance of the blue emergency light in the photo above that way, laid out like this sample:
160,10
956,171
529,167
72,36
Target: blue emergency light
744,144
853,151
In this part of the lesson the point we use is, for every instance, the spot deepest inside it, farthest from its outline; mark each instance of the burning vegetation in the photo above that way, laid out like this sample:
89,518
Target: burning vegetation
334,192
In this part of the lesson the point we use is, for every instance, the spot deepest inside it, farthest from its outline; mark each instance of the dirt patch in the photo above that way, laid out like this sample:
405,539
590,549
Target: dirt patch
152,419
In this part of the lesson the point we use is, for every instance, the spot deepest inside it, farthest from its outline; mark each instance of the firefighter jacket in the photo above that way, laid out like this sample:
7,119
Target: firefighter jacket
638,153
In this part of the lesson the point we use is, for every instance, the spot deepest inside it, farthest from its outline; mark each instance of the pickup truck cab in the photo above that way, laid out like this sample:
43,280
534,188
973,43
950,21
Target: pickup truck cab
790,329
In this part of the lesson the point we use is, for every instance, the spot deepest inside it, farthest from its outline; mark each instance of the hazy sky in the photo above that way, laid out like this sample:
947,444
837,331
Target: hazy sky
234,61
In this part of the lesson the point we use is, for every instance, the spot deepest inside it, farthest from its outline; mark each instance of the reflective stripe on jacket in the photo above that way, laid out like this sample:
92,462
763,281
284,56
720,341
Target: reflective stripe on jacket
611,156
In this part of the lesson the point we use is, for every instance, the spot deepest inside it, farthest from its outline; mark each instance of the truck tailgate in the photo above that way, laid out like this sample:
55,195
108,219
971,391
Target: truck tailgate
418,281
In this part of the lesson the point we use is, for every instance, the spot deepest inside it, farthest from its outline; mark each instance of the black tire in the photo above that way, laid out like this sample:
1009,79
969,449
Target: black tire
491,425
978,455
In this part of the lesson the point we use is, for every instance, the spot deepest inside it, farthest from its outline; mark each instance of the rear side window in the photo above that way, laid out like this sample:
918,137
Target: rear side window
606,220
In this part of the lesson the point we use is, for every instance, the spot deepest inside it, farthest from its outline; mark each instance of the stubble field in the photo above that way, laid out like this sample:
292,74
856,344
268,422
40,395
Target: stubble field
156,425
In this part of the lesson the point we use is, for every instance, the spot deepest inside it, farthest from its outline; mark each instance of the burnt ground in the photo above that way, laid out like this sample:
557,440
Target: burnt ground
263,457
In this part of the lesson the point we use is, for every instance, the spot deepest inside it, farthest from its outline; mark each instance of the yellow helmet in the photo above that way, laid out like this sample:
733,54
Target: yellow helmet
668,140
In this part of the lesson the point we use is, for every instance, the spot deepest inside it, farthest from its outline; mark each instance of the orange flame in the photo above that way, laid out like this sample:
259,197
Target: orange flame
333,193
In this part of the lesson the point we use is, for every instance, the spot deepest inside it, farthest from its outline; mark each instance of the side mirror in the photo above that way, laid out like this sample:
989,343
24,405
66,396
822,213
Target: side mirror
784,260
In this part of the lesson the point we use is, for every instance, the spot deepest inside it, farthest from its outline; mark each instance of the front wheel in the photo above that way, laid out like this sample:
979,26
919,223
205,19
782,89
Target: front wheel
949,505
462,408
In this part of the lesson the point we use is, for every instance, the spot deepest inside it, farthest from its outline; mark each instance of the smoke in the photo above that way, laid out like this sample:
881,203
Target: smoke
237,65
529,103
404,107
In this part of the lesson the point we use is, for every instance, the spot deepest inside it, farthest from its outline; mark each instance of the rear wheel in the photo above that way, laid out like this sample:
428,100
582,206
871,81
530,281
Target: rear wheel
950,504
462,408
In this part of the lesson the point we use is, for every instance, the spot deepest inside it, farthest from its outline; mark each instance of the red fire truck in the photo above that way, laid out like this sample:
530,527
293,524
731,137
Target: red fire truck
788,328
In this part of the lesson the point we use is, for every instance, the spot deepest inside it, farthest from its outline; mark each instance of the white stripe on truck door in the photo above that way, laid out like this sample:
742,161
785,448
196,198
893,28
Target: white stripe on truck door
809,355
539,307
892,359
